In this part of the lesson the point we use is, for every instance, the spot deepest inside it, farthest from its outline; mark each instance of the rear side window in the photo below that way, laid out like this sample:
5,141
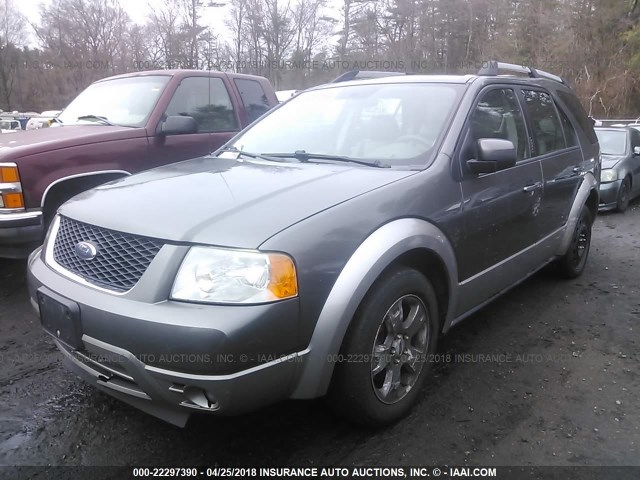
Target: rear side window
547,129
569,132
253,98
574,106
207,101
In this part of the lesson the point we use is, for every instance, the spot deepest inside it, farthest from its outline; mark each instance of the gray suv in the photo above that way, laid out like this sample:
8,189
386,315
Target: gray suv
325,248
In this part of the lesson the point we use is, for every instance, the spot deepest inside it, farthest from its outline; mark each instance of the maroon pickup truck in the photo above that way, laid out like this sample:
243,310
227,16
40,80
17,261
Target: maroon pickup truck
118,126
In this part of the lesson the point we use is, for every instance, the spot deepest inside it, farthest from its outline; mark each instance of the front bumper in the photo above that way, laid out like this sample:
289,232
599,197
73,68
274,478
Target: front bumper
609,195
170,359
20,233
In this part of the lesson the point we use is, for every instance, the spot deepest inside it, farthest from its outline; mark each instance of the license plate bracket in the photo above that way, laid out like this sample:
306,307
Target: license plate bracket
60,317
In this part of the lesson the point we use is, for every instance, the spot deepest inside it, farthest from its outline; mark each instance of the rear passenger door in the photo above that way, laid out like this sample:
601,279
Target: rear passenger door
500,208
555,145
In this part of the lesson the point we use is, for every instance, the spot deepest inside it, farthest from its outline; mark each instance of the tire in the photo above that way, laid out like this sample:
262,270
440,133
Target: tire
623,196
572,264
383,363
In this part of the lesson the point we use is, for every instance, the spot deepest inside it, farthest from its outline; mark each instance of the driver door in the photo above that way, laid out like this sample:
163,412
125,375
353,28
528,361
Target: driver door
501,208
207,100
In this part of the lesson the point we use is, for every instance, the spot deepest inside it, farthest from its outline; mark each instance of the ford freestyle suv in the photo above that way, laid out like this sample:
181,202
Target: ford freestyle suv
323,250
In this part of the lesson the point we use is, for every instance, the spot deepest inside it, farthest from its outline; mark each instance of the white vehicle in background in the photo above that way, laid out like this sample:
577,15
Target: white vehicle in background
42,120
9,125
284,95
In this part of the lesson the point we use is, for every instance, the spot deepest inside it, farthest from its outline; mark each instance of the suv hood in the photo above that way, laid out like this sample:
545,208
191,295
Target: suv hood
224,202
610,161
30,142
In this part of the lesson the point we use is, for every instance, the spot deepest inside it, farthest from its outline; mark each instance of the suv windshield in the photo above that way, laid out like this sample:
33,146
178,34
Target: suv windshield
125,101
612,142
397,124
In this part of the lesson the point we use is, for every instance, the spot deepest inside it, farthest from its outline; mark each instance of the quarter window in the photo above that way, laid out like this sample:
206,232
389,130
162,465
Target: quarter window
207,101
569,132
253,98
498,115
575,108
547,129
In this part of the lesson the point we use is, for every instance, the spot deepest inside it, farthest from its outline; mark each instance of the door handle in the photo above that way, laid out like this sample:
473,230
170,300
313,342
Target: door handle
578,170
532,188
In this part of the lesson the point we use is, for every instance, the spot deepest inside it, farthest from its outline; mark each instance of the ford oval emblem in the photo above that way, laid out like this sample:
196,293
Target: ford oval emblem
86,250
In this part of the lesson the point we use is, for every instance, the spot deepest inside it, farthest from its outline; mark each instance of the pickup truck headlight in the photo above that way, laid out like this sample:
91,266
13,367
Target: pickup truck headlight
607,176
221,275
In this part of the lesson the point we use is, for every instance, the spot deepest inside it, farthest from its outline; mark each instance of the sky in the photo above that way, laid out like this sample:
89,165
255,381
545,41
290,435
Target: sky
137,10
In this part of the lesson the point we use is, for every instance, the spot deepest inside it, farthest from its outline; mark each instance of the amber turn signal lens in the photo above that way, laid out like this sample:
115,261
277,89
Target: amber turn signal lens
283,282
13,200
9,175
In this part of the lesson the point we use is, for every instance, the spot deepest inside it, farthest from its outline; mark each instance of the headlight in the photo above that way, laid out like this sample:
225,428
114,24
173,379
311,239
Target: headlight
607,176
220,275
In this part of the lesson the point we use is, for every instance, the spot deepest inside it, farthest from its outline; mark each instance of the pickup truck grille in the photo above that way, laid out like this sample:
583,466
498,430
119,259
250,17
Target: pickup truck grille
120,261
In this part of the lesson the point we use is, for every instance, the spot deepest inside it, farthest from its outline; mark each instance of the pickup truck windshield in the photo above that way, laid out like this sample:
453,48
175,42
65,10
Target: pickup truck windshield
394,124
125,101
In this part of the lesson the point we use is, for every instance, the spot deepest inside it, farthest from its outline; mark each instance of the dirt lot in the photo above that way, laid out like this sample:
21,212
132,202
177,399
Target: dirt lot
547,375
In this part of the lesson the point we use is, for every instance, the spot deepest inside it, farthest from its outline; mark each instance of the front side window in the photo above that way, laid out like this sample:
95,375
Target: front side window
253,98
498,115
124,101
547,129
612,142
398,124
207,101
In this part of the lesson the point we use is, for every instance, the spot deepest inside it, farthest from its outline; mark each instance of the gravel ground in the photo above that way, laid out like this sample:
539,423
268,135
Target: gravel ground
546,375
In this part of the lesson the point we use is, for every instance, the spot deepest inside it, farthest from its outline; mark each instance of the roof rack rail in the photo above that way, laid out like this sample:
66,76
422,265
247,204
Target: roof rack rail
364,75
492,68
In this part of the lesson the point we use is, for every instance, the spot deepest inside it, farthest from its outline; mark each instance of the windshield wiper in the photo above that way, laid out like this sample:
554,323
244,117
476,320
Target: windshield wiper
99,118
305,157
250,154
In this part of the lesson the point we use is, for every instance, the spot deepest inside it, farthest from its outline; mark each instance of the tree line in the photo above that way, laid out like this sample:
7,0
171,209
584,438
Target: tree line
593,44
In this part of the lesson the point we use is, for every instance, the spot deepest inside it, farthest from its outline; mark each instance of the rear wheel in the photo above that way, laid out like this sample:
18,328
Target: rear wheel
384,358
572,264
623,196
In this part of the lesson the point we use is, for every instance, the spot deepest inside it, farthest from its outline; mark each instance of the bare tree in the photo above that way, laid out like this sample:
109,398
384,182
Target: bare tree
13,26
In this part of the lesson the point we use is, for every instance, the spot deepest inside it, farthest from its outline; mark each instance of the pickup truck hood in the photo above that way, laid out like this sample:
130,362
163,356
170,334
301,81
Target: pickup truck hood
610,161
221,201
30,142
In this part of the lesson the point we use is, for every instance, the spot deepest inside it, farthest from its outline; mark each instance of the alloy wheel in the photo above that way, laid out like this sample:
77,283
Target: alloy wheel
399,349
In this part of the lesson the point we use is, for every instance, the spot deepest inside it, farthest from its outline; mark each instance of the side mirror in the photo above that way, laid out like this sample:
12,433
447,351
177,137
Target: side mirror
636,151
178,125
494,154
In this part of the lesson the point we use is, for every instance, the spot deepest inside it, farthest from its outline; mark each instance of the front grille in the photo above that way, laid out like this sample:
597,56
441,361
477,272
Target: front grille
120,261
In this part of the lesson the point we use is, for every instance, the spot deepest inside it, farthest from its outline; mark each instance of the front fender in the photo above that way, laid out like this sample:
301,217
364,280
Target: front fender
366,264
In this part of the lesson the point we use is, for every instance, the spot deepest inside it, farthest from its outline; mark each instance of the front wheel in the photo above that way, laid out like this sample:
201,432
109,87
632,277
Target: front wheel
385,355
572,264
623,196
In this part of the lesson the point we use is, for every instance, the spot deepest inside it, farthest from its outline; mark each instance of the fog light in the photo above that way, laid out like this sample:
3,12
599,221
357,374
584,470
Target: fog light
195,397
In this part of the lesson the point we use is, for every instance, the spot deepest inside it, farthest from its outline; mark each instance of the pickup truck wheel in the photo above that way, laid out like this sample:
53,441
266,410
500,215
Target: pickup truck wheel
572,264
383,361
623,196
